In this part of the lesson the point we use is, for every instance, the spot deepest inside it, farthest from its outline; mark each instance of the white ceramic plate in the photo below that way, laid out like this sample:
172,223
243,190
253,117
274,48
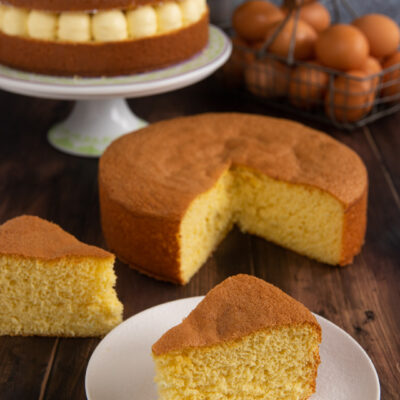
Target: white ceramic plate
121,367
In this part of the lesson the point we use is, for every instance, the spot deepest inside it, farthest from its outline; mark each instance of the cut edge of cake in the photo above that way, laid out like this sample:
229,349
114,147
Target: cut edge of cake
302,218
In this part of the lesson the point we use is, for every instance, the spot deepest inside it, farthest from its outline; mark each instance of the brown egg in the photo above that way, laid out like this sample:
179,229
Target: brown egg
252,19
372,67
391,80
350,98
342,47
382,33
305,39
308,85
315,14
267,78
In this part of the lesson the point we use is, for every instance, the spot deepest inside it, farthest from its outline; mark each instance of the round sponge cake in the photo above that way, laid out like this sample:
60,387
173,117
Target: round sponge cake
170,192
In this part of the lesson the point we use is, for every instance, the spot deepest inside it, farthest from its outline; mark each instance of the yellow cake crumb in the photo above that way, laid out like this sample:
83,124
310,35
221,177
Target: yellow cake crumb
278,364
299,217
52,284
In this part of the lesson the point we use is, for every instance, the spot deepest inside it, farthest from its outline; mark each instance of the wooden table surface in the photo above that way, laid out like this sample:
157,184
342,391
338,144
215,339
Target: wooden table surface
363,299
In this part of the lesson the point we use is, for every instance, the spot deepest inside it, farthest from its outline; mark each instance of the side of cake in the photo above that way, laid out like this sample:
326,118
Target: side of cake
246,340
163,212
67,39
52,284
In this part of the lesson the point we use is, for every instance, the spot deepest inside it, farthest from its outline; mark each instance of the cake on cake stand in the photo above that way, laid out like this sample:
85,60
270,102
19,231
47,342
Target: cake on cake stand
101,113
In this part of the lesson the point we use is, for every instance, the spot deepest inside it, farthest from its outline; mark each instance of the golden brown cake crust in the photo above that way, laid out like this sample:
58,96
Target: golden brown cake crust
79,5
148,162
146,184
30,236
104,59
355,224
237,307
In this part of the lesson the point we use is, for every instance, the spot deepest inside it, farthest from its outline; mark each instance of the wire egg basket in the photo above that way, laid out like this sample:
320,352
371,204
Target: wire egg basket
347,101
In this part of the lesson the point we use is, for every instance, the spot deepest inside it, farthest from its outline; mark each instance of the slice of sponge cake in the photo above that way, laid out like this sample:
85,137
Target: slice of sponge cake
246,340
52,284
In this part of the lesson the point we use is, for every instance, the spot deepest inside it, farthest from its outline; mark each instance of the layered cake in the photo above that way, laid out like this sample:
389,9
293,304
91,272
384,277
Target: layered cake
171,192
100,37
52,284
246,340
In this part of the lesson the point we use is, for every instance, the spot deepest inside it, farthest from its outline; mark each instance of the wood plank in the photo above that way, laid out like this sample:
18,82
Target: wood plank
23,366
34,178
67,377
24,361
386,138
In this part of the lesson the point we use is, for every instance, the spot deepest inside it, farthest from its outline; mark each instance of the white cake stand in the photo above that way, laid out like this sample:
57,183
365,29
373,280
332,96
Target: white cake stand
101,113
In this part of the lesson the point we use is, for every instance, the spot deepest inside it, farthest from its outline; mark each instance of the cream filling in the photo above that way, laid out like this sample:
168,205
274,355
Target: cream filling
101,26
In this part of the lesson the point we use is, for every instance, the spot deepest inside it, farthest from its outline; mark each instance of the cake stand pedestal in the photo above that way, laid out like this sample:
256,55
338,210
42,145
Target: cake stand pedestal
101,113
93,125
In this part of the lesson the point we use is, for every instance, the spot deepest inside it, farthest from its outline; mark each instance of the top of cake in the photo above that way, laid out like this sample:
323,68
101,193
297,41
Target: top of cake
237,307
160,169
30,236
79,5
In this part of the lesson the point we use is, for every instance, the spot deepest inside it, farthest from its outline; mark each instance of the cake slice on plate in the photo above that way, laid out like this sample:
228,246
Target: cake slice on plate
246,340
52,284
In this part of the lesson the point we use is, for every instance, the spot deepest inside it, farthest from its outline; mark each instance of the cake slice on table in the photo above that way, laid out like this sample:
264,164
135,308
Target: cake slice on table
52,284
246,340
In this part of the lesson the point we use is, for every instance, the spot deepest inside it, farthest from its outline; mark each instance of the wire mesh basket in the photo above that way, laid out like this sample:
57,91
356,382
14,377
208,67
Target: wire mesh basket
346,100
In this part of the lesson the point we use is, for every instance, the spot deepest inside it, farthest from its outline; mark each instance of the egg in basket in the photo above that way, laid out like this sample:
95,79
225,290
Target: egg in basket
293,56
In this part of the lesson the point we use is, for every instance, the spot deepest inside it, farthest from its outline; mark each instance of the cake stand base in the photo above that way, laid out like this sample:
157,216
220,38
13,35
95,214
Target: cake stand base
93,125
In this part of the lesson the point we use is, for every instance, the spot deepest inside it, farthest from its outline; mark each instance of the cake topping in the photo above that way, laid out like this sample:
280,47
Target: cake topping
15,21
109,26
169,17
2,11
191,10
74,27
81,5
101,25
237,307
142,22
42,25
